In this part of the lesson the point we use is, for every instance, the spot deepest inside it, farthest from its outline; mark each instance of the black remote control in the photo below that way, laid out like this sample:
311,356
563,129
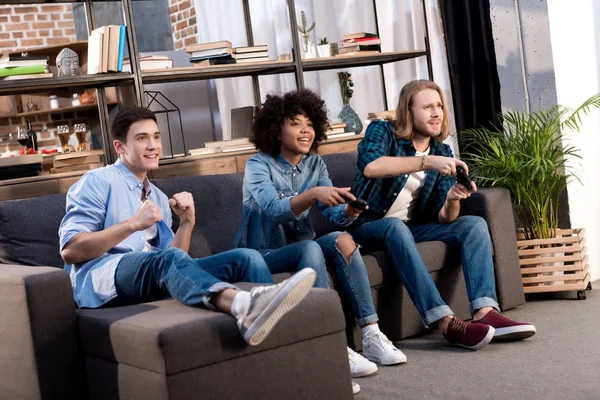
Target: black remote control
463,178
359,204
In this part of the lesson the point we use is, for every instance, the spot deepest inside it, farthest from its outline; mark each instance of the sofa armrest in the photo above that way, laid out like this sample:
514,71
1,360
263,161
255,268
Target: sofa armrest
495,206
40,355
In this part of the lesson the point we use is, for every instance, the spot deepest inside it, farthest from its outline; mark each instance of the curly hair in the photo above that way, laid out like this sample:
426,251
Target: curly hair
266,128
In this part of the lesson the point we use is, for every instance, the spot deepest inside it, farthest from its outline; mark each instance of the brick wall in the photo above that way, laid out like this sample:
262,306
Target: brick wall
28,26
183,22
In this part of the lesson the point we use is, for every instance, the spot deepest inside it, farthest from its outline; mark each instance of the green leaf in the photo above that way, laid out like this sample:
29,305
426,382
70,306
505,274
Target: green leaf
529,155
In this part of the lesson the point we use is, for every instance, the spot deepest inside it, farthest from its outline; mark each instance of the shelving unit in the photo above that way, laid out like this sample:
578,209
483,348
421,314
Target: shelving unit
137,79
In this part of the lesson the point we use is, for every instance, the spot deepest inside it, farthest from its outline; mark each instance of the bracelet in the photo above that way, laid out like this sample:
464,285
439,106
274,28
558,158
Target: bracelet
422,163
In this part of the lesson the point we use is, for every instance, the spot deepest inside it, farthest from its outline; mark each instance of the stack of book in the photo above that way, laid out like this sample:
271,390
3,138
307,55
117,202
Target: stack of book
150,62
249,54
383,115
23,66
361,43
105,49
213,53
338,130
224,146
77,161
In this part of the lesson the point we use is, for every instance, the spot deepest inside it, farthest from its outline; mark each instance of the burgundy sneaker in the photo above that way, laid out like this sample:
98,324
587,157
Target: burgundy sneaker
471,336
507,329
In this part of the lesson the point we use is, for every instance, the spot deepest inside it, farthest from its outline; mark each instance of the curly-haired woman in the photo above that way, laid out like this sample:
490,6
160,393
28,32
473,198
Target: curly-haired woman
281,184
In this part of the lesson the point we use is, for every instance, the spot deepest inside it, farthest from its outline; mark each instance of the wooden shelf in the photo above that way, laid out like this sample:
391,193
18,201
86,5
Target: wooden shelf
341,61
93,106
65,83
216,71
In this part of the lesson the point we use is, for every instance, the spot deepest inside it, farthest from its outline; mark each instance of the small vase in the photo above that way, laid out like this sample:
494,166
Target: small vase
308,50
352,120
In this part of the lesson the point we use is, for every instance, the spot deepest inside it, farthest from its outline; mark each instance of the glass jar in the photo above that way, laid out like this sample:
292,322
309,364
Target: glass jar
53,102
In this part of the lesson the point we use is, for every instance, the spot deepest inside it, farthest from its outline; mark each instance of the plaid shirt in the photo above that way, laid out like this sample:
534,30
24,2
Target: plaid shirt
380,141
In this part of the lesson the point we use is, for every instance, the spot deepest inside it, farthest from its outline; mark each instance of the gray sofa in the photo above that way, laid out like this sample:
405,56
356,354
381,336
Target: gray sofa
165,350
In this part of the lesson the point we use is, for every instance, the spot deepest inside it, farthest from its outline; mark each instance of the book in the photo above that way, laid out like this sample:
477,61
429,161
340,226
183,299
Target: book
31,69
390,114
359,53
75,161
105,52
335,130
204,46
95,52
337,125
78,154
13,60
255,54
27,76
215,57
361,41
251,60
359,35
359,47
250,49
114,36
227,143
341,135
202,151
121,55
220,51
78,167
214,61
150,62
242,147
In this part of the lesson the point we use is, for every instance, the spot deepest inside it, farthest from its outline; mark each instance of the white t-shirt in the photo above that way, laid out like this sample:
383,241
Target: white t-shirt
150,235
405,201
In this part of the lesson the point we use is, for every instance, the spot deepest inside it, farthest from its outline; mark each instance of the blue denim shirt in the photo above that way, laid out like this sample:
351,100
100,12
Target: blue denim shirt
100,199
269,186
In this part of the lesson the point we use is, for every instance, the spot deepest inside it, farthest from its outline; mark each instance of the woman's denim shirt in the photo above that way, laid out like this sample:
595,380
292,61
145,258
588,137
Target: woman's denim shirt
270,183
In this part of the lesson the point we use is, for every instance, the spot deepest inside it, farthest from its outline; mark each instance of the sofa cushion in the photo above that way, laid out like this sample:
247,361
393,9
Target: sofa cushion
168,337
218,201
29,230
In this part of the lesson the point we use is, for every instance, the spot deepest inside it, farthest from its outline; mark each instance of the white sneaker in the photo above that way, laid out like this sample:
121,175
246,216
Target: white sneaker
360,366
355,388
269,303
378,348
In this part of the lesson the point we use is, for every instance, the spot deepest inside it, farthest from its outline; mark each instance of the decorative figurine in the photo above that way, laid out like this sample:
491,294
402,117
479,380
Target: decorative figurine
67,62
31,106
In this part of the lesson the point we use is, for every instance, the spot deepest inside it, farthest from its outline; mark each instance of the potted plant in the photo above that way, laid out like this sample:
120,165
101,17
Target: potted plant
531,157
323,48
304,29
347,114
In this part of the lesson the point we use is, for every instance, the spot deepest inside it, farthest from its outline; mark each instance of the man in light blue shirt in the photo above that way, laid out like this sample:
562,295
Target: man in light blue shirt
117,243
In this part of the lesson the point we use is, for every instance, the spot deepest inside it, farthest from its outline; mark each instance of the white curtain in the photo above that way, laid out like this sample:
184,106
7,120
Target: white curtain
400,27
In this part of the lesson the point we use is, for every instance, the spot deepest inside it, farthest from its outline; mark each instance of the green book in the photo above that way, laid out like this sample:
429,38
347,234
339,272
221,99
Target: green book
30,69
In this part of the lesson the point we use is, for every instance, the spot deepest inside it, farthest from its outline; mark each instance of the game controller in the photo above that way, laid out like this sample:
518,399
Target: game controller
359,204
463,178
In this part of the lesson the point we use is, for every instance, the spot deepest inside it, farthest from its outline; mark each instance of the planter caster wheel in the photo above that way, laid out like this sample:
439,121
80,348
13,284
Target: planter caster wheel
581,295
589,286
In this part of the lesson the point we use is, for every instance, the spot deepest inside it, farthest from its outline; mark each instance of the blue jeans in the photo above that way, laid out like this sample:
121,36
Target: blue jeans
399,242
353,278
147,276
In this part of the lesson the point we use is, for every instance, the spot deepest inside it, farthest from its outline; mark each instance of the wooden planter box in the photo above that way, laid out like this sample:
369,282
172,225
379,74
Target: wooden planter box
555,265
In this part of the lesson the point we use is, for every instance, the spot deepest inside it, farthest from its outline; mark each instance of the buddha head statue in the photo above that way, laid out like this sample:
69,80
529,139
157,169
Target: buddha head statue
67,62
